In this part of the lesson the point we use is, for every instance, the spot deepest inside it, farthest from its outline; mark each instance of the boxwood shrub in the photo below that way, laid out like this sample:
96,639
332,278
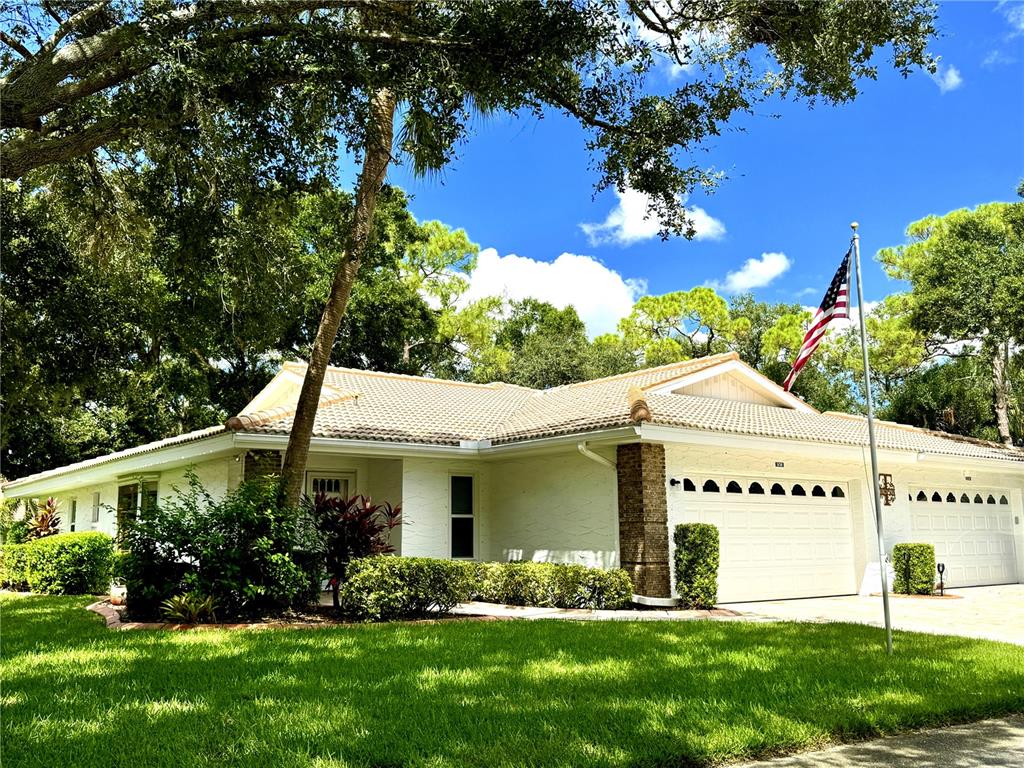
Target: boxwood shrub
558,585
64,564
914,564
696,564
14,567
383,587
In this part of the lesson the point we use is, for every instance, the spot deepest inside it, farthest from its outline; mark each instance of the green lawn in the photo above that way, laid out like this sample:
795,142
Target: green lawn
471,693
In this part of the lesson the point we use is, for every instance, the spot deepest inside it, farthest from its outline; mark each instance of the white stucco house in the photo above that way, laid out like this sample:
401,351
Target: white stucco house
600,472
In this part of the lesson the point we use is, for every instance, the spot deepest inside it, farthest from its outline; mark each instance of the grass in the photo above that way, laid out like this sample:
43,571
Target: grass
472,693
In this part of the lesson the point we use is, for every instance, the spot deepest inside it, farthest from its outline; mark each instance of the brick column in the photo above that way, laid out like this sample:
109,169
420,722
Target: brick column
643,517
260,464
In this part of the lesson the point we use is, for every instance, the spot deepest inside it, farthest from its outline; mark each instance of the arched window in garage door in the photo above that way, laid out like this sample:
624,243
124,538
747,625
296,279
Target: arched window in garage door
688,485
778,490
733,487
817,491
1003,500
965,499
756,489
710,486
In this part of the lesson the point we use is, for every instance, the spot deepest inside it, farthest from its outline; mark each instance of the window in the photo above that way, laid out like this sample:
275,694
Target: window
798,490
131,499
838,493
74,515
922,496
951,498
978,499
965,499
462,506
756,488
710,486
733,487
936,496
1003,500
990,499
778,490
96,507
817,491
688,485
332,484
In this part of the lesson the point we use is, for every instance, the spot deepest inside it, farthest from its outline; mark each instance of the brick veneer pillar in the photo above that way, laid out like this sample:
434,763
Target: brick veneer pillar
261,464
643,517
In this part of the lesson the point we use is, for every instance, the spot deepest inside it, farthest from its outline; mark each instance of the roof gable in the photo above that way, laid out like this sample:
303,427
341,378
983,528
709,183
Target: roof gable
732,380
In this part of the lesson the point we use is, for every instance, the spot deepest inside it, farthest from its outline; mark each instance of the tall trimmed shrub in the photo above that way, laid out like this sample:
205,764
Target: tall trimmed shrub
914,564
64,564
696,564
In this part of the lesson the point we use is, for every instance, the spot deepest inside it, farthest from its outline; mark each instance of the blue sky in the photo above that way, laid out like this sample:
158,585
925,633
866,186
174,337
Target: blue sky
903,149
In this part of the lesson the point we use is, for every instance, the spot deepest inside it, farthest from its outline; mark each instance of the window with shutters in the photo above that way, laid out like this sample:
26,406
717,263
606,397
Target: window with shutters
96,507
134,498
73,522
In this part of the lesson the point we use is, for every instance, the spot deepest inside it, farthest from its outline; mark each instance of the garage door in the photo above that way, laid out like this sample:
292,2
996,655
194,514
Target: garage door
779,539
972,530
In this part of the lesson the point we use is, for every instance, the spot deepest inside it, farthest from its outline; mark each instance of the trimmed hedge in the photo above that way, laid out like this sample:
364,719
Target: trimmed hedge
558,585
696,564
381,588
914,564
65,564
14,567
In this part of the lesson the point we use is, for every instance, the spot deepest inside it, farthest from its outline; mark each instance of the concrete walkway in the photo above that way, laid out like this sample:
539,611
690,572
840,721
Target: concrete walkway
990,613
587,614
988,744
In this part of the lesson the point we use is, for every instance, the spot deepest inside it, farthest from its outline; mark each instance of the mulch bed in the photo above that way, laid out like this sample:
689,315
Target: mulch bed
323,616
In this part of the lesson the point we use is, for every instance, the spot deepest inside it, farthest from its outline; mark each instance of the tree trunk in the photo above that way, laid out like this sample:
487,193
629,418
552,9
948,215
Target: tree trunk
1001,389
377,156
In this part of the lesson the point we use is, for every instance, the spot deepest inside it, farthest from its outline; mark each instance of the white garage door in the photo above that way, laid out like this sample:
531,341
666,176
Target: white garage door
779,539
972,530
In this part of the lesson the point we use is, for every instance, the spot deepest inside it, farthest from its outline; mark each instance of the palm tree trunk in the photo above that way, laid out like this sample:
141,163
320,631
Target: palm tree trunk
377,157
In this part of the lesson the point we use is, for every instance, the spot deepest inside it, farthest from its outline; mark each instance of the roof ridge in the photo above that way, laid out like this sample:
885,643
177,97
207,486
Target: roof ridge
268,415
706,361
493,385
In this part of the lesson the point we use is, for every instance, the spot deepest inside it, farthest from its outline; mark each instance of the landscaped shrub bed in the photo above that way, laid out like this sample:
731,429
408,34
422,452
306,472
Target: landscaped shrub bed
246,551
696,564
65,564
914,564
556,585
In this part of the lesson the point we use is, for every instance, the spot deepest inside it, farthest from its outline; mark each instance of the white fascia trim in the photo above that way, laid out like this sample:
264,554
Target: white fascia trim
467,448
130,466
759,382
665,434
257,441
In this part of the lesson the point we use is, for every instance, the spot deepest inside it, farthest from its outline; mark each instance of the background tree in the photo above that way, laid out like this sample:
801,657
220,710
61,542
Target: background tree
966,271
278,81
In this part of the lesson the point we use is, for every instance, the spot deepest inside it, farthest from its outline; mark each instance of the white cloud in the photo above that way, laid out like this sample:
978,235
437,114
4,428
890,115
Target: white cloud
755,273
629,222
694,45
947,78
997,58
1014,13
600,295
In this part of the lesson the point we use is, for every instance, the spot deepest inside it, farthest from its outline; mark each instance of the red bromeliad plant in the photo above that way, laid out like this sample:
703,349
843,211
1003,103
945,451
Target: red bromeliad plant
353,527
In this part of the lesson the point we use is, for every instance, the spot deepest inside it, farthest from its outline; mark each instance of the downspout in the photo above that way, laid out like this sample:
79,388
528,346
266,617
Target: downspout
582,448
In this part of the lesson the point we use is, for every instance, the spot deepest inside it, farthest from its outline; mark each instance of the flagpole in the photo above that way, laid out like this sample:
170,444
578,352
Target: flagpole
871,440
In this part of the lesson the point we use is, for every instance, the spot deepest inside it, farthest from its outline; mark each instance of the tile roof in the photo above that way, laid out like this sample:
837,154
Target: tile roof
366,405
188,437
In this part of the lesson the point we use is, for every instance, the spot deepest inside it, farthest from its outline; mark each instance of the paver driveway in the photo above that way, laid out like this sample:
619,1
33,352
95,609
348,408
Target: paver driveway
993,613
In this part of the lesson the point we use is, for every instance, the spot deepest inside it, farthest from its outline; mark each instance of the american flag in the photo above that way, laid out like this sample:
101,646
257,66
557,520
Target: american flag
835,304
